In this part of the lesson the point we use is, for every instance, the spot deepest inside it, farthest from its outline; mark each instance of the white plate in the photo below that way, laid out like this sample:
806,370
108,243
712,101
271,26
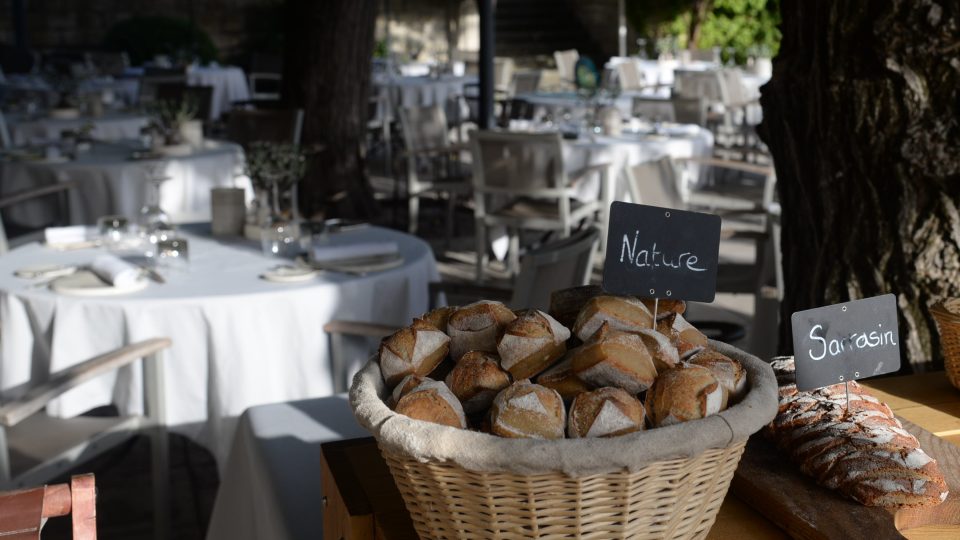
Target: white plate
289,274
37,271
86,283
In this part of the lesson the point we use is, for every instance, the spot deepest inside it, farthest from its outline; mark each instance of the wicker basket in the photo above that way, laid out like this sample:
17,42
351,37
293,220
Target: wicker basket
668,498
948,323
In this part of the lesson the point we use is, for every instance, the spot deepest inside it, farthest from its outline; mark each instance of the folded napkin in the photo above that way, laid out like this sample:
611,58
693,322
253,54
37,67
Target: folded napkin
115,271
68,235
331,253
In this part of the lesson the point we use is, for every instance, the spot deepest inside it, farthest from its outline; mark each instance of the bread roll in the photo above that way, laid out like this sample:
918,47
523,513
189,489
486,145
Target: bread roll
665,306
415,349
432,401
476,380
526,410
727,370
664,354
620,312
530,343
671,325
689,333
405,386
615,358
475,327
565,304
439,317
684,393
605,412
561,378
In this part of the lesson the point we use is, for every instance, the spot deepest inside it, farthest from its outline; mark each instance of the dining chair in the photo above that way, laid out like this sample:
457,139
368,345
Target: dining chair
265,76
23,513
525,82
689,110
60,189
432,164
652,108
629,75
566,66
520,183
109,63
272,125
556,265
36,447
503,69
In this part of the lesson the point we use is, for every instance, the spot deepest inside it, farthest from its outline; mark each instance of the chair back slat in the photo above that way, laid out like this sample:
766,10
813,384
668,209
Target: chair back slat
424,127
523,161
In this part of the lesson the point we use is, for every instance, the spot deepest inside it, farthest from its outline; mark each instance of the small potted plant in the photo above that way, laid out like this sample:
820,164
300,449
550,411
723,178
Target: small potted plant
176,121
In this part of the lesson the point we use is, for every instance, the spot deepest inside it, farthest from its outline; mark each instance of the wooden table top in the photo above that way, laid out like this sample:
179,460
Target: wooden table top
927,400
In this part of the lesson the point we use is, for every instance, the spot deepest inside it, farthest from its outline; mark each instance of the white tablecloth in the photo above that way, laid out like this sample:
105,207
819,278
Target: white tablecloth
111,126
112,183
229,84
238,341
271,487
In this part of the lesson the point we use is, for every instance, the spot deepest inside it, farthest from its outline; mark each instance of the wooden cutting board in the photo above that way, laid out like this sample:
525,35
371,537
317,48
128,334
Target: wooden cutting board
769,482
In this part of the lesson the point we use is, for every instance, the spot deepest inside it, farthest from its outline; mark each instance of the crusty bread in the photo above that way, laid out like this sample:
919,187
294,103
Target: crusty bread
476,380
605,412
689,333
404,387
561,378
417,349
615,358
727,370
856,445
530,343
664,353
432,401
527,410
684,393
665,306
439,317
620,312
477,326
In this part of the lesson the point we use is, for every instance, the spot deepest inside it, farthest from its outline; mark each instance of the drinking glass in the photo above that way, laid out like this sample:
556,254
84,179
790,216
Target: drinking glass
280,239
112,229
173,253
151,215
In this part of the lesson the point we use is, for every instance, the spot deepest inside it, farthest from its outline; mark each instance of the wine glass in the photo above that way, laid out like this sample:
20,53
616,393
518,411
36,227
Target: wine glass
151,215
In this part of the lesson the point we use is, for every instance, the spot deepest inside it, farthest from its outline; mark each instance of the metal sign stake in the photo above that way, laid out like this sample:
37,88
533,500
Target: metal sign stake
656,305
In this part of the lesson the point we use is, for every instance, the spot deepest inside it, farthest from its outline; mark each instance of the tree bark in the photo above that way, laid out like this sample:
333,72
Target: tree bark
861,117
698,14
328,47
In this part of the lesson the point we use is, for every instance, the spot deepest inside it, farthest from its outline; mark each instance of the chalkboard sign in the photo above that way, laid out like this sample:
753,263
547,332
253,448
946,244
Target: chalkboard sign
845,342
661,253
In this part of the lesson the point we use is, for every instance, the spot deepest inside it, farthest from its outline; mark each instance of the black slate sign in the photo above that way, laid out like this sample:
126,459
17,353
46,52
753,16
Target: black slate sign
845,342
661,253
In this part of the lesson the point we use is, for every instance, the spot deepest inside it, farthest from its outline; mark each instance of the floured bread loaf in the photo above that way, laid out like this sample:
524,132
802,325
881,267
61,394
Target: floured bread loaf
664,353
432,401
530,343
475,327
439,317
615,358
605,412
476,380
561,378
665,307
415,349
857,447
684,393
620,312
687,339
727,370
406,385
526,410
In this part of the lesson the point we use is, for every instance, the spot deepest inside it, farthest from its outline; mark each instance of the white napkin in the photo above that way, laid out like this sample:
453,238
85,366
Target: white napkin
332,253
115,271
67,235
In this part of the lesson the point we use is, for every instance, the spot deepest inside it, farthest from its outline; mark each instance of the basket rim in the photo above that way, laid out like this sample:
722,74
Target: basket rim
939,310
484,452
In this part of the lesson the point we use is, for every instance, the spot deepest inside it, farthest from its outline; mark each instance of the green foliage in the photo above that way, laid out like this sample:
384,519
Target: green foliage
145,37
739,27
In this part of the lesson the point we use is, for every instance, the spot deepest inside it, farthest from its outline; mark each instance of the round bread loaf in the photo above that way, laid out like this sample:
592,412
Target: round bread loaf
476,327
620,312
605,412
684,393
416,349
406,385
432,401
727,370
664,306
476,380
527,410
530,343
664,354
561,378
615,358
439,317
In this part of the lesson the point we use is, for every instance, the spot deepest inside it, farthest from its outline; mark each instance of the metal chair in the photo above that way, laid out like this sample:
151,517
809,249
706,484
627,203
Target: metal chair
656,109
557,265
689,110
274,125
36,447
23,513
265,77
59,189
566,65
520,183
629,76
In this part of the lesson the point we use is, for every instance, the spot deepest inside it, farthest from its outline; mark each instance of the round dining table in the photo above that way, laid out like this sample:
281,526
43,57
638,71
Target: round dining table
112,181
238,340
110,126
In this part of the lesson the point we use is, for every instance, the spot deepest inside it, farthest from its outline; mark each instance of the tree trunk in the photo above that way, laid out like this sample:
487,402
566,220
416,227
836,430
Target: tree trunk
328,47
698,14
861,117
